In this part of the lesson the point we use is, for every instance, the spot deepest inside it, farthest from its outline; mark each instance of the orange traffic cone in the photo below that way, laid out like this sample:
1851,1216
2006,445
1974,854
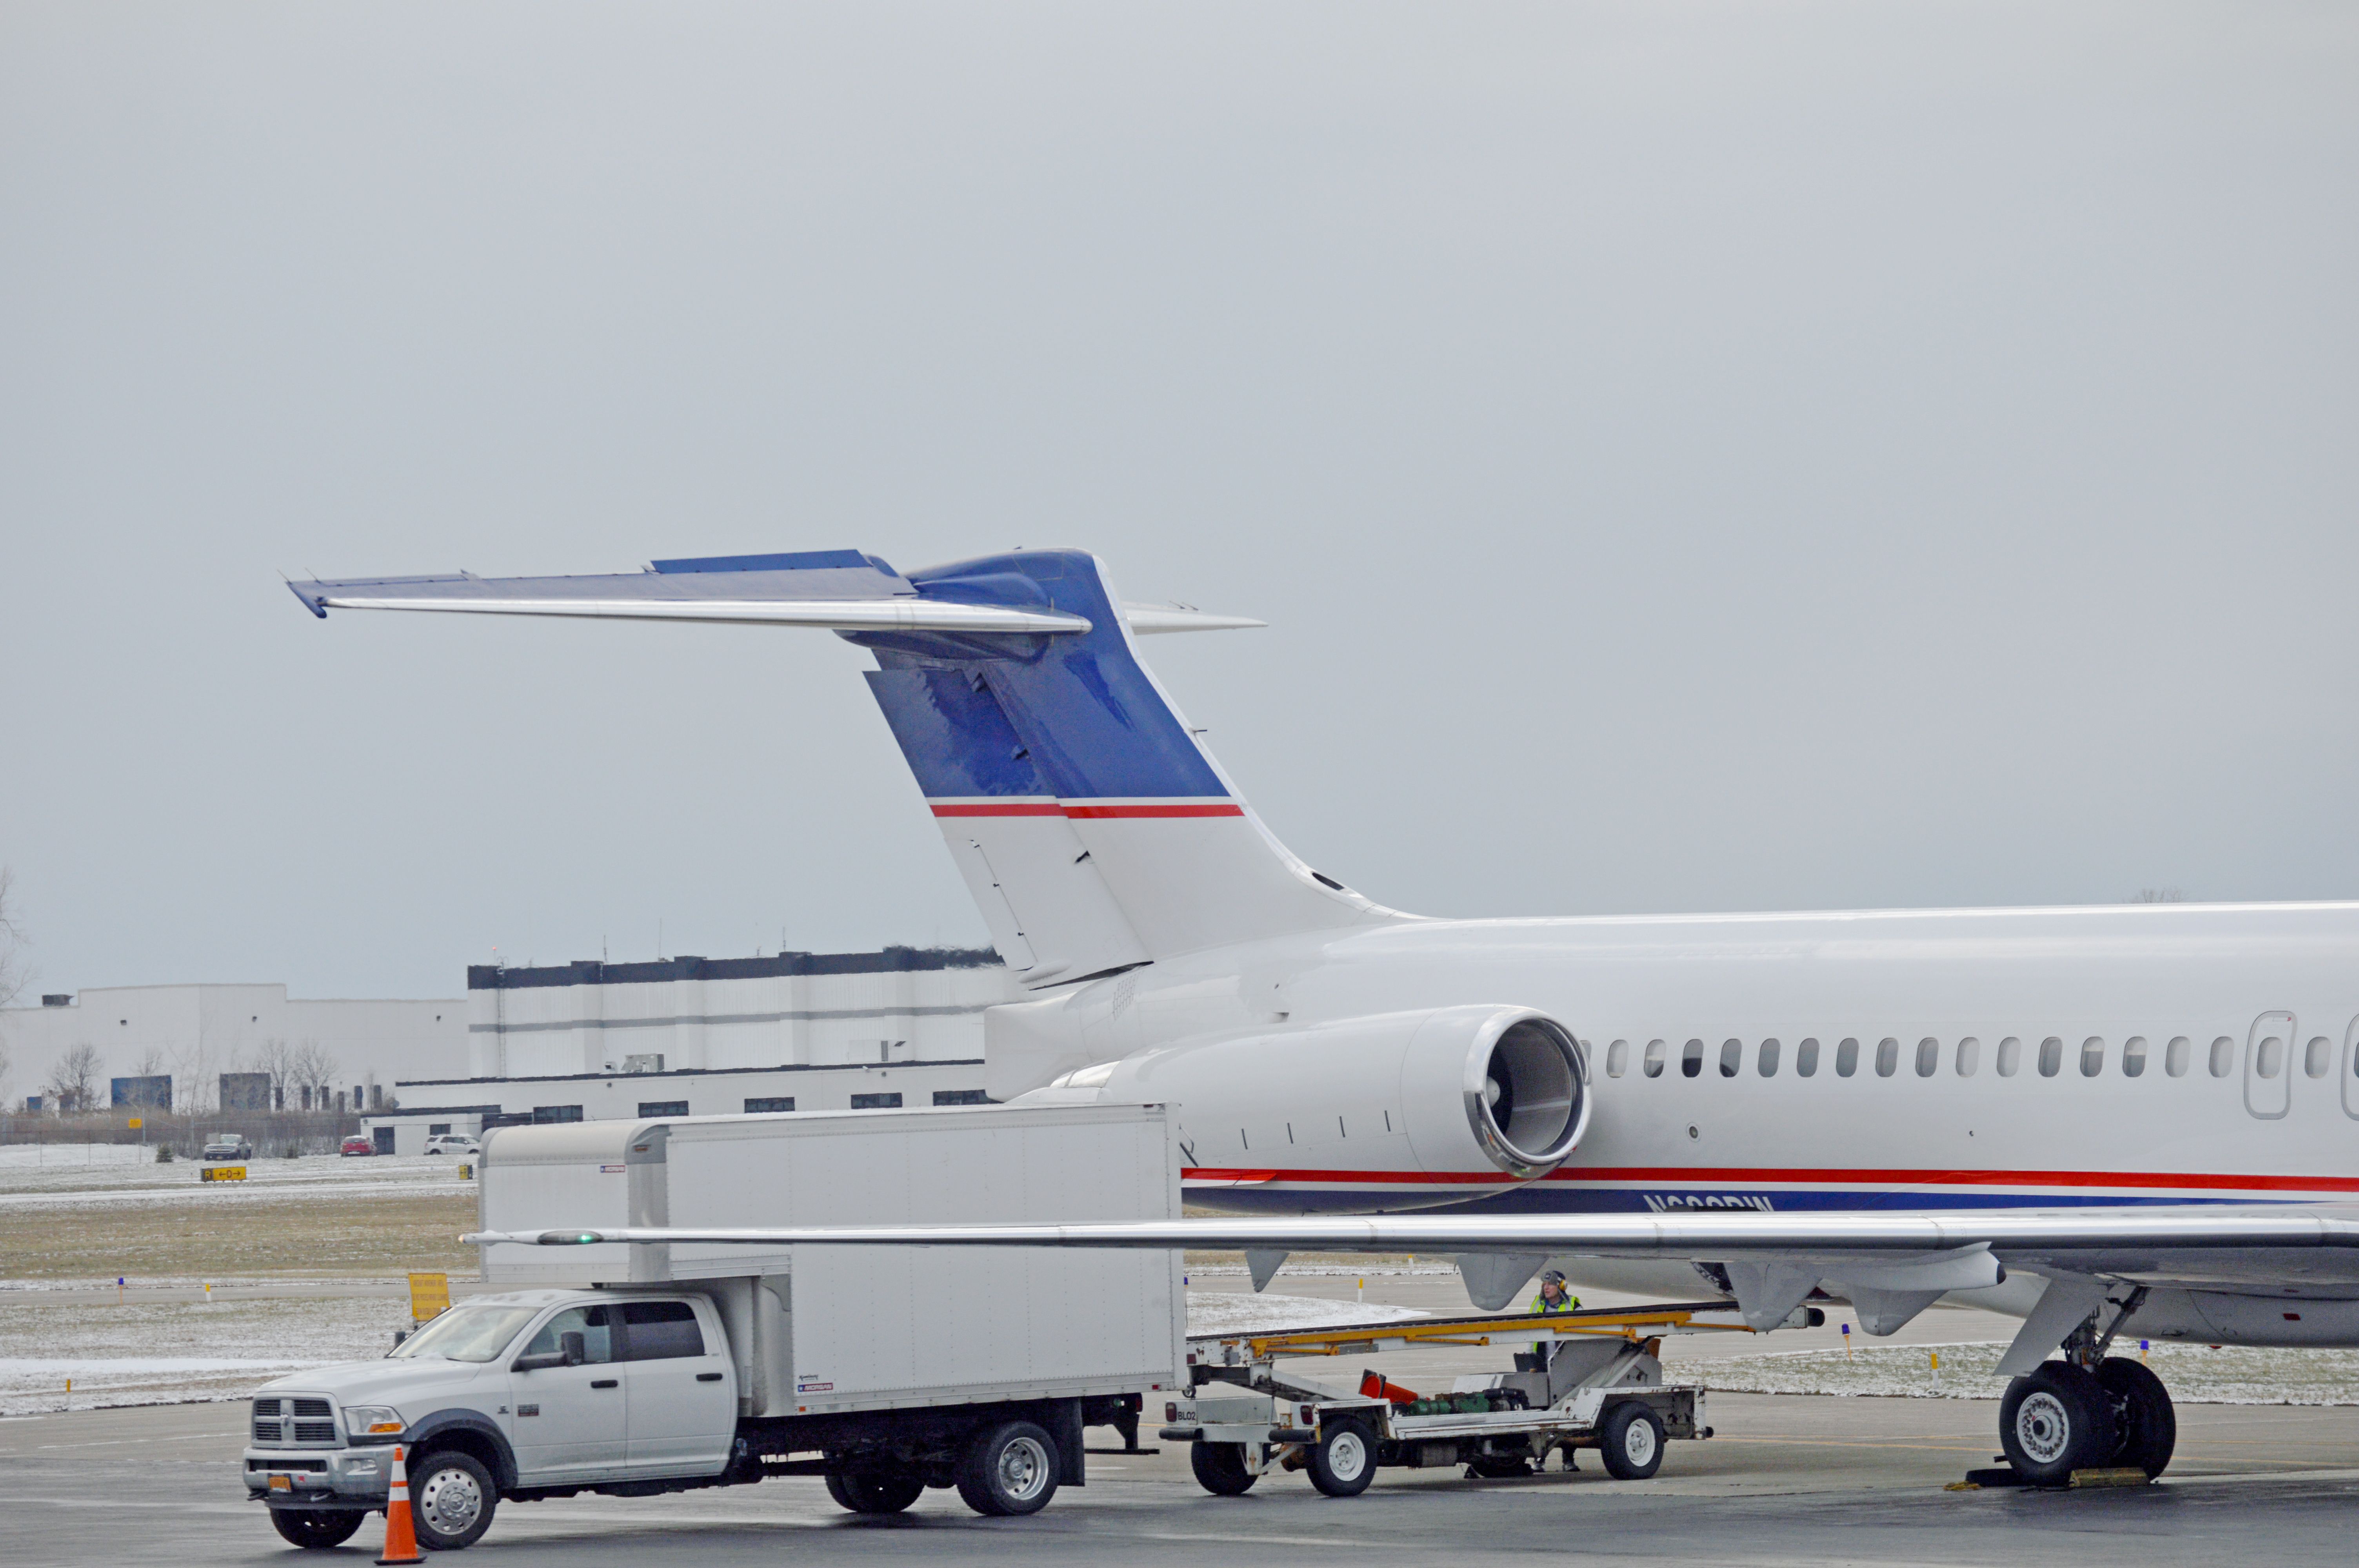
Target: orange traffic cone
400,1534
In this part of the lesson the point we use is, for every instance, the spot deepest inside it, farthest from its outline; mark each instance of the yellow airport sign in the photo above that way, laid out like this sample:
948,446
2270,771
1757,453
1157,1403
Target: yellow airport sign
222,1174
430,1296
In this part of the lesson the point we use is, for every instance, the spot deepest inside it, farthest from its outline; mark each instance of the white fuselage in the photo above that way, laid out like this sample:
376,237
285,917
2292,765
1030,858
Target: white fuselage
1970,1104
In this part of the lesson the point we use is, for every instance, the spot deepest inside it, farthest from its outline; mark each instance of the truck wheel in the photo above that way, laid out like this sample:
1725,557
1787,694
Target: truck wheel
1010,1469
316,1527
1221,1468
875,1491
1344,1461
451,1499
1631,1440
2053,1421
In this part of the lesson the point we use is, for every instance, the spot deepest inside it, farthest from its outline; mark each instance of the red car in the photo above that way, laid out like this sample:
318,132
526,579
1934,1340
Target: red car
356,1144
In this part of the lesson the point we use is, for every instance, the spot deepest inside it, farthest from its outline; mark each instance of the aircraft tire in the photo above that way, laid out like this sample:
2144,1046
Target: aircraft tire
2054,1421
2143,1417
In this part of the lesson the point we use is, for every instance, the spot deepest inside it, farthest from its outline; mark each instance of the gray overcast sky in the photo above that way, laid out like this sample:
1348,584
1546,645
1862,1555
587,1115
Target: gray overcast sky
1691,455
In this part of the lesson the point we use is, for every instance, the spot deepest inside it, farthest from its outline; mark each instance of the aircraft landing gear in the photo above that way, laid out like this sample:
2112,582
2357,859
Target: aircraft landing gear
2088,1411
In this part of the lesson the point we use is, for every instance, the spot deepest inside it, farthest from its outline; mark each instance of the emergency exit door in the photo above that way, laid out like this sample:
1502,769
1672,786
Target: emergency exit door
2269,1066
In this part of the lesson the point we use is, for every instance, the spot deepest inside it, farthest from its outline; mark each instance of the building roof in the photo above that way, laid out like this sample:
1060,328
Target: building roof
591,972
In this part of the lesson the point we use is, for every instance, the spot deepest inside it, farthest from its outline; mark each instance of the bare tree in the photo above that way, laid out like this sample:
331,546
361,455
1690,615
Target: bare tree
73,1081
12,940
2159,895
277,1058
310,1066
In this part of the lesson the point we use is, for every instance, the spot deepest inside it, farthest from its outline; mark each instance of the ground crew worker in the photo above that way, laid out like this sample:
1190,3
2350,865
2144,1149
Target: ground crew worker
1553,1297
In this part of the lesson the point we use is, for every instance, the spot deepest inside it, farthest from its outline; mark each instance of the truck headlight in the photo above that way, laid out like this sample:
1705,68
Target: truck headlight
372,1419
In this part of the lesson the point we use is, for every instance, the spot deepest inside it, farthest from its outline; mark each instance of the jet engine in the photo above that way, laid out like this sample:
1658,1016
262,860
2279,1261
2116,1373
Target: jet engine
1387,1111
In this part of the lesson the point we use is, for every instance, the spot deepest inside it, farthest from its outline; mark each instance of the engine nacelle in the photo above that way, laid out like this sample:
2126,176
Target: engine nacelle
1389,1111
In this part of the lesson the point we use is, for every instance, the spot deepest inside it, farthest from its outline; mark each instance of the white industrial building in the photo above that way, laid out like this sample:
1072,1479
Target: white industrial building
693,1036
196,1032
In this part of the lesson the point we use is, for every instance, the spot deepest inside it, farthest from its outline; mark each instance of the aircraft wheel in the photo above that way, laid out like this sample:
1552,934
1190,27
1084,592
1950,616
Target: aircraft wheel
2055,1420
1221,1468
2143,1417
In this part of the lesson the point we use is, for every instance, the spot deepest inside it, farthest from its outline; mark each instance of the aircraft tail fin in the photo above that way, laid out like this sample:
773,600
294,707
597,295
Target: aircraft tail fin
1093,829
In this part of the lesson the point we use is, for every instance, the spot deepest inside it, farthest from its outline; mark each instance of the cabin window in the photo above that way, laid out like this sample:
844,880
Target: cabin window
1929,1056
2051,1056
1653,1058
2010,1057
2269,1057
1617,1058
1887,1056
2093,1056
2318,1058
2176,1055
1806,1059
1691,1059
1846,1058
2223,1056
1732,1056
1970,1054
2133,1055
1769,1061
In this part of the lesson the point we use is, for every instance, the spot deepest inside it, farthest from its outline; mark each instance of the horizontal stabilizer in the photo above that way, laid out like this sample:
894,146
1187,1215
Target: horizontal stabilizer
842,591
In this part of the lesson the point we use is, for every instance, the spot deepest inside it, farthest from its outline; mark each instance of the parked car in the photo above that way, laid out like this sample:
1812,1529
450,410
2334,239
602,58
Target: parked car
453,1143
357,1143
228,1146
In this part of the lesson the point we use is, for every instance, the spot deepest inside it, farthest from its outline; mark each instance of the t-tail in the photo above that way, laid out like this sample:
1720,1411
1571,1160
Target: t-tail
1095,830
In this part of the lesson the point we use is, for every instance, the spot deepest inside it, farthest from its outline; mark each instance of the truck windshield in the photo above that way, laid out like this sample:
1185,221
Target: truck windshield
467,1333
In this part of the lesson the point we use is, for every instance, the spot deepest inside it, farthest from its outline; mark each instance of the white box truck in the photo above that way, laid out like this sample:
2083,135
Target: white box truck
635,1369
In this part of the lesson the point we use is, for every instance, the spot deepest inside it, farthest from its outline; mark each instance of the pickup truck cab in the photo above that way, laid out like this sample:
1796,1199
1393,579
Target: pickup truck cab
522,1395
228,1146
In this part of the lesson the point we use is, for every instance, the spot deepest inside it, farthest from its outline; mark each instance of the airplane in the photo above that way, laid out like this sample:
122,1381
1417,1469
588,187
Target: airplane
2133,1119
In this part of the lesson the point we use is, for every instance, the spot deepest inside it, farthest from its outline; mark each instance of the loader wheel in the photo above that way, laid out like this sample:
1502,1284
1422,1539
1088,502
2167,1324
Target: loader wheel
1010,1469
875,1491
1344,1461
1221,1468
1631,1440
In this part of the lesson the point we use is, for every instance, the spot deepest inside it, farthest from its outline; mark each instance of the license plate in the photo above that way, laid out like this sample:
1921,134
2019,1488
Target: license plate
282,1483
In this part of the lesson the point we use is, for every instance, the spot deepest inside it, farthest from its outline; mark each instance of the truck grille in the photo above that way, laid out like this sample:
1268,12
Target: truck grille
313,1424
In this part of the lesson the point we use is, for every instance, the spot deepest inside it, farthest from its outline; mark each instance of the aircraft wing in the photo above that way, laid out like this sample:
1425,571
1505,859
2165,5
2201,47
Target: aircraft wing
1890,1265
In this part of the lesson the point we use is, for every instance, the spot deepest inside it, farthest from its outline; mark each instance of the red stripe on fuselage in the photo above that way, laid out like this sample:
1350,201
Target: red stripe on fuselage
1758,1177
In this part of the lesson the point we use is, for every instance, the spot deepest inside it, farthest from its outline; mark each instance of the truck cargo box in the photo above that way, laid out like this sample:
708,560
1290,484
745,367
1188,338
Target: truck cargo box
821,1329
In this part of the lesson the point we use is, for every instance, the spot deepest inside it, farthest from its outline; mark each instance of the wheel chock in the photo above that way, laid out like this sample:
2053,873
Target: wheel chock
2132,1476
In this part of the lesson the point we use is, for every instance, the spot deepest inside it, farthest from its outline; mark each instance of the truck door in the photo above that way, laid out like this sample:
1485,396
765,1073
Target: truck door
684,1387
570,1422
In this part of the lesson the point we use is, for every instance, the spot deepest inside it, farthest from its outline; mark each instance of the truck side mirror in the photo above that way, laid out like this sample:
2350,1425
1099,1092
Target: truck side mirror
575,1350
399,1335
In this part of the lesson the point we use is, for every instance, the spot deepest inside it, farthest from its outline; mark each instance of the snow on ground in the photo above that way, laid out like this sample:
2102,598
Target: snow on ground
1236,1311
147,1352
2194,1374
76,1175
